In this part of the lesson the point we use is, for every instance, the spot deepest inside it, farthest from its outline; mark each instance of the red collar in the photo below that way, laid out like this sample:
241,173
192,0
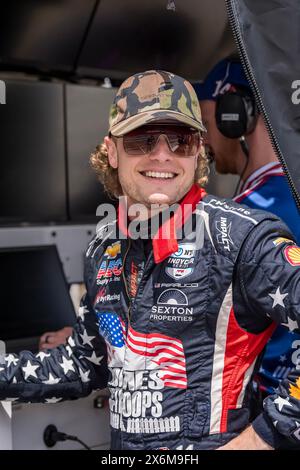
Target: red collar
165,240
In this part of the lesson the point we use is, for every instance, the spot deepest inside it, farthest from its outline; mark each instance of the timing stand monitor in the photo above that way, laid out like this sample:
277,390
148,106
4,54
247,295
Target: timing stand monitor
34,296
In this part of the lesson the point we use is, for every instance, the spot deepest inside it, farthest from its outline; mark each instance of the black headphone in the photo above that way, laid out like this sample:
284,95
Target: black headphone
236,113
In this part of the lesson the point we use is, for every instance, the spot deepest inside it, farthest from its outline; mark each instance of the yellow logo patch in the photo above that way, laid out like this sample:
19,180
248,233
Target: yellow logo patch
292,255
280,240
113,250
295,391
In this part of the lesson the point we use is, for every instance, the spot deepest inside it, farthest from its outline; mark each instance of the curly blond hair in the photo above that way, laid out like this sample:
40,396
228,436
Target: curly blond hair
108,175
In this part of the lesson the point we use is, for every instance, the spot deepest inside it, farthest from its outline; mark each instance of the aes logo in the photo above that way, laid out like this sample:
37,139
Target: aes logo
2,92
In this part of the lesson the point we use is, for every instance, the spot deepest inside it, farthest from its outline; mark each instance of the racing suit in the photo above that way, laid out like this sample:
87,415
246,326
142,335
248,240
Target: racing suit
175,333
268,189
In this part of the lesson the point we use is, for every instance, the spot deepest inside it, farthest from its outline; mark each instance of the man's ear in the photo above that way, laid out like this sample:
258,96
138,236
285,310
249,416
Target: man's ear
112,152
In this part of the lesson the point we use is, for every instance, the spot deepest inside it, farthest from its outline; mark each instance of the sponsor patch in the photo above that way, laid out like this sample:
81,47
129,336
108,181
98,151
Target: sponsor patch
178,285
292,255
172,305
280,240
172,297
110,270
223,235
237,209
134,278
180,264
101,299
142,366
113,250
295,390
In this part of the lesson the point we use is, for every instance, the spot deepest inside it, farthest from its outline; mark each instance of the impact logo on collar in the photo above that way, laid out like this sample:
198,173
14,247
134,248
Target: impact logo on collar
223,235
180,264
292,255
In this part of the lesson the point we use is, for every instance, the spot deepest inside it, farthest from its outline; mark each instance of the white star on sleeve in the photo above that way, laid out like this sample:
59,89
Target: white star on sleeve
1,368
52,400
51,380
69,350
278,298
11,359
281,402
291,324
71,342
96,360
282,358
41,355
29,370
84,375
82,311
66,365
86,339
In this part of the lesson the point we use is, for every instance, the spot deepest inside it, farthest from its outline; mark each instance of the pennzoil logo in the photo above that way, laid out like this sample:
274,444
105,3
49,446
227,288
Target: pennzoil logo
280,240
292,255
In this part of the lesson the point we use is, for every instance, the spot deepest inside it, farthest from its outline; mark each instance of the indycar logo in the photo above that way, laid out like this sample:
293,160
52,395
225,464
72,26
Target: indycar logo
181,263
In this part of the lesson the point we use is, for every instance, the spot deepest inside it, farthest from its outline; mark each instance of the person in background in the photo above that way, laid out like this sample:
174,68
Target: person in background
52,339
238,142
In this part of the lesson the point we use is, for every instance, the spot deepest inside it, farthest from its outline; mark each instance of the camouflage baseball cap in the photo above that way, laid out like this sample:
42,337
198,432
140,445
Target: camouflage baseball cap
154,96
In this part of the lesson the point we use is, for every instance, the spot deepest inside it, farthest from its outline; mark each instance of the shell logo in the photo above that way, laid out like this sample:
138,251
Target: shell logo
292,255
295,391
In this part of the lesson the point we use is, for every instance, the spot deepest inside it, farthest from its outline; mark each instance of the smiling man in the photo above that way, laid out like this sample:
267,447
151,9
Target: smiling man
173,324
157,174
158,140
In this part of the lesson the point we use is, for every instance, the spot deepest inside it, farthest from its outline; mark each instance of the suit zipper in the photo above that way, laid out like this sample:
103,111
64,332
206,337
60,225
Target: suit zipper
125,280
